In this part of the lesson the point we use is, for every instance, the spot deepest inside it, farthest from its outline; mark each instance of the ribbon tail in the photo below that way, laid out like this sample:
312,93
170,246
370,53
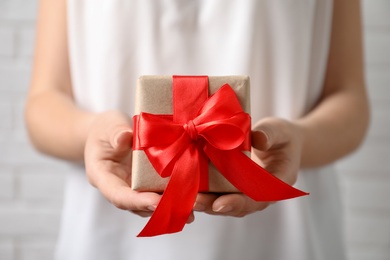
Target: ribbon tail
249,177
178,199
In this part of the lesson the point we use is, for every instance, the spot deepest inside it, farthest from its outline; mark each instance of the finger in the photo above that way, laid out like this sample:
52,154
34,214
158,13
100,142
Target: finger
118,192
270,132
143,214
191,218
237,205
260,140
204,201
122,138
149,213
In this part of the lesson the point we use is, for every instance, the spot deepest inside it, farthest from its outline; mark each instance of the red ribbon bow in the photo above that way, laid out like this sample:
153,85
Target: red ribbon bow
179,147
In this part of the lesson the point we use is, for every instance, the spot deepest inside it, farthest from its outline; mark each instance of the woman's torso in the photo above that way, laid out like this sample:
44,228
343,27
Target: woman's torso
282,45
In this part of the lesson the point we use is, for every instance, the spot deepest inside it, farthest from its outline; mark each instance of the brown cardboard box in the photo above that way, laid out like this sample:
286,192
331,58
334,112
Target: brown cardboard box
154,95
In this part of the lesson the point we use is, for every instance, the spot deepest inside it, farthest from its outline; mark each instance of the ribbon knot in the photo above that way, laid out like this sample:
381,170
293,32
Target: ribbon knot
191,130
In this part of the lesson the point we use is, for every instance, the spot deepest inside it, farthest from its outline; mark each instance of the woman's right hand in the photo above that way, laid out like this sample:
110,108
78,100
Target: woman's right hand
107,156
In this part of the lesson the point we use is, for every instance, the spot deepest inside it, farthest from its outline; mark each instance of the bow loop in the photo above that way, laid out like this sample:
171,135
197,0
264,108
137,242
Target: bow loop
226,134
153,127
220,105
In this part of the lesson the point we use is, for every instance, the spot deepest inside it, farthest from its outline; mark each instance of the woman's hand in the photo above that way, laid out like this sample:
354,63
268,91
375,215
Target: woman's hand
277,146
108,164
107,156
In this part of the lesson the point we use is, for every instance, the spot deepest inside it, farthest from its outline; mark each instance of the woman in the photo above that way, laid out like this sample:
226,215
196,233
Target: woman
309,108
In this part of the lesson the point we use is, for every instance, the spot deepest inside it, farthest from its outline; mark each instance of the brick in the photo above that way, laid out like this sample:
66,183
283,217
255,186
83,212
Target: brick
7,183
377,47
14,79
12,125
376,13
31,248
22,64
368,230
20,135
6,139
360,253
367,194
7,42
18,10
364,175
380,123
22,220
378,82
26,42
7,249
373,156
41,183
368,238
23,153
18,112
6,115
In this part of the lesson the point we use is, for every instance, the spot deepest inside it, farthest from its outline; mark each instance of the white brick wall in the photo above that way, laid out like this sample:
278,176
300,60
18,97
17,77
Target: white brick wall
6,42
31,184
365,176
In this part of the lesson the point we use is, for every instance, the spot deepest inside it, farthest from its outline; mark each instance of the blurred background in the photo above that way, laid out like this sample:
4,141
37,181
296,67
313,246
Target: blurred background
31,185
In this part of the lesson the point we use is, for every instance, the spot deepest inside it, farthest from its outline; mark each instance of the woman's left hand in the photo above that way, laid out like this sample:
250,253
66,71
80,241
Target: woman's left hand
277,146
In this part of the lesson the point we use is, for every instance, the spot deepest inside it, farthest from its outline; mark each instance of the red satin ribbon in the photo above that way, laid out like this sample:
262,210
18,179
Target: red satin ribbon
179,147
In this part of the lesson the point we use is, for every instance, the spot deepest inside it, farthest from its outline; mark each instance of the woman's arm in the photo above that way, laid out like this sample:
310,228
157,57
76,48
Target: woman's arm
339,122
58,127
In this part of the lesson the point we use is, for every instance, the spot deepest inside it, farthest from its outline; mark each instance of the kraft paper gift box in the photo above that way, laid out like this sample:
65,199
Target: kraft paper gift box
154,95
180,123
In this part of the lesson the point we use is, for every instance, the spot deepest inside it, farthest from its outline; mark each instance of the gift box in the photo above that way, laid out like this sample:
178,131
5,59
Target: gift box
154,95
187,127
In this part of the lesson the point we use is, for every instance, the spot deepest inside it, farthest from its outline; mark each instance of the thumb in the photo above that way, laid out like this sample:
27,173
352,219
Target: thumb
268,133
122,138
260,140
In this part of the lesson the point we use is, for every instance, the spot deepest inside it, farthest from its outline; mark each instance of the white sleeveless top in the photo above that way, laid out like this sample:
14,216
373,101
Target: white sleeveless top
282,45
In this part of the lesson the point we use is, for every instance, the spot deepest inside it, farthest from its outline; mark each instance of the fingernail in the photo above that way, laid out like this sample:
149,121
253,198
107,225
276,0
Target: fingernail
199,207
151,207
190,219
116,138
119,137
223,209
